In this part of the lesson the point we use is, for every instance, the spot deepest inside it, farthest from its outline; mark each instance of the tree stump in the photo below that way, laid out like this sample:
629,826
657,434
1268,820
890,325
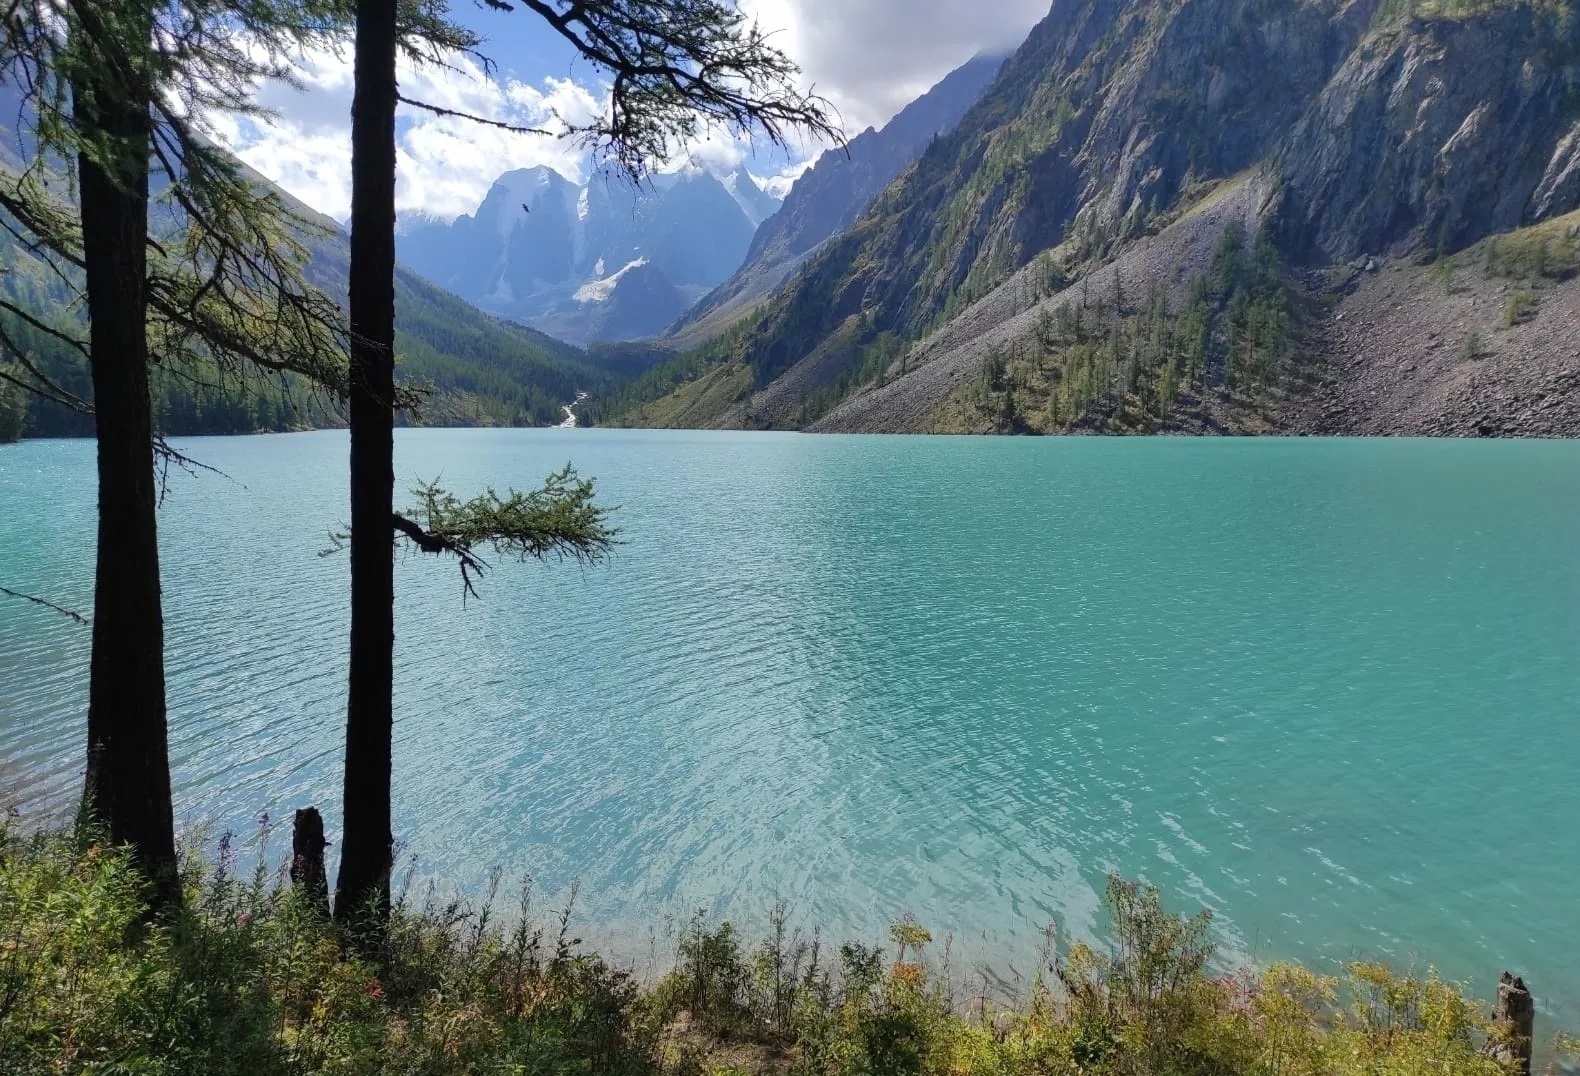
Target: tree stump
1515,1012
307,859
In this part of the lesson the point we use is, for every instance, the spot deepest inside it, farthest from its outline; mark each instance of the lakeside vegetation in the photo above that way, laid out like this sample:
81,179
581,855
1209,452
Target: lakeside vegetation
1116,363
115,956
248,978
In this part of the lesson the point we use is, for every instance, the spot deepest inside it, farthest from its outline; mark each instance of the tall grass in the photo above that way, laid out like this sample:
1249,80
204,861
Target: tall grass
248,981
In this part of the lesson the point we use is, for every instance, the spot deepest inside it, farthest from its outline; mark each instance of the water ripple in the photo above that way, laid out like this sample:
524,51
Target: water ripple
1316,686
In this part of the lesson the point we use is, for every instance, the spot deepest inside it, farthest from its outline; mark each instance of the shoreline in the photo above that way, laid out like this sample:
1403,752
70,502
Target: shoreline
729,992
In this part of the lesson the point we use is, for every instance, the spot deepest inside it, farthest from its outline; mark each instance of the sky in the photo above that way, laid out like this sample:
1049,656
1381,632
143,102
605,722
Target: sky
869,58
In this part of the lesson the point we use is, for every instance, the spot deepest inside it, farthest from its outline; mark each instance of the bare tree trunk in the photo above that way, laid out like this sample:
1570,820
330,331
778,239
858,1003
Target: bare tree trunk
307,859
1515,1011
367,845
127,789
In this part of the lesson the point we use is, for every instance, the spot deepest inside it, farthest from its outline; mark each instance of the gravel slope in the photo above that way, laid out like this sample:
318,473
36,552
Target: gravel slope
1394,356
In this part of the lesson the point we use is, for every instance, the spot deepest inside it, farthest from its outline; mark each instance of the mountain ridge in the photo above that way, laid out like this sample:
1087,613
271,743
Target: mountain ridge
1145,221
481,370
832,194
546,251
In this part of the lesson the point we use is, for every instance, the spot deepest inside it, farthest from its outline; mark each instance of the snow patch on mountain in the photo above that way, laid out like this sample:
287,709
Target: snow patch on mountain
757,203
540,247
598,291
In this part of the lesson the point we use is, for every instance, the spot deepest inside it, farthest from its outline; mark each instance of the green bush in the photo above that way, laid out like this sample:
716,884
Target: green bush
1519,308
1547,250
248,981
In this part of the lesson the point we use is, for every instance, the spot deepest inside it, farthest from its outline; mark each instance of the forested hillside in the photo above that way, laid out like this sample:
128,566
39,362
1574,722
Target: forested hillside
478,369
1151,218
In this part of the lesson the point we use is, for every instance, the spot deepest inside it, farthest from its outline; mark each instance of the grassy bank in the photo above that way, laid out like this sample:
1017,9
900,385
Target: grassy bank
249,981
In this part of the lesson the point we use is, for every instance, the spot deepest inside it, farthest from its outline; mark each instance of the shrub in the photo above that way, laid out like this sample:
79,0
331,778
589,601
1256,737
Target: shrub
711,978
248,981
1519,308
1542,250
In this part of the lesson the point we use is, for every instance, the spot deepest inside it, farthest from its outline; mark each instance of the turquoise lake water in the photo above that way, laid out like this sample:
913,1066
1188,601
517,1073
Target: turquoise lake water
1326,688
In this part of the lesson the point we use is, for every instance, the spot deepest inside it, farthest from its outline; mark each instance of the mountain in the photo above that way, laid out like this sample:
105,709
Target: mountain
1209,216
607,261
481,370
754,200
830,196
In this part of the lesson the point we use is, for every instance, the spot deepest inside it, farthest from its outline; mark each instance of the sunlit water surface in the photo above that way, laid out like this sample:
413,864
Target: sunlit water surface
1327,689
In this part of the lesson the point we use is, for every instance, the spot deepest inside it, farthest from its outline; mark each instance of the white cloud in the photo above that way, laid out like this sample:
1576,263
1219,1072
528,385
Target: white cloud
445,164
720,151
779,183
869,59
873,58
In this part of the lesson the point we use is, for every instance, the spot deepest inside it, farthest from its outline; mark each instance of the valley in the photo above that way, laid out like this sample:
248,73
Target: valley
1039,245
751,484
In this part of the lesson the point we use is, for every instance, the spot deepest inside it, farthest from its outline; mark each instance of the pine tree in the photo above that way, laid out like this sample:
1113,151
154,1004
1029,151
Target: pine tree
675,66
112,88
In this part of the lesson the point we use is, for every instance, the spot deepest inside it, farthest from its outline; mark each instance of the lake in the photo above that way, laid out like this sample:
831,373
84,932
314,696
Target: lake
1326,688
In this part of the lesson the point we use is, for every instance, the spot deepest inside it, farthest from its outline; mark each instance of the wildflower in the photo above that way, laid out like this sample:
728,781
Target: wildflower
373,988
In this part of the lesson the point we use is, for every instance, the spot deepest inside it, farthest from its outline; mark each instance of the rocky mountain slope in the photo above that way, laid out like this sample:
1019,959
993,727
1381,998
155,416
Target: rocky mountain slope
1160,215
831,195
1484,343
564,258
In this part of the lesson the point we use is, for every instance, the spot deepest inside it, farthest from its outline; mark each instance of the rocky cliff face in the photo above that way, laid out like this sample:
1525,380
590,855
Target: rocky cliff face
1435,133
1106,115
558,256
831,195
1178,175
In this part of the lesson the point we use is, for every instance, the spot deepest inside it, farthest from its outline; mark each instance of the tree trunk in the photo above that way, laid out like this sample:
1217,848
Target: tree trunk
1515,1012
127,789
363,888
307,859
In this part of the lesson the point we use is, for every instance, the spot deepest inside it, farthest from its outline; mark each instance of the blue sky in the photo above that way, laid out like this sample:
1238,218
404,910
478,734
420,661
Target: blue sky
868,57
521,43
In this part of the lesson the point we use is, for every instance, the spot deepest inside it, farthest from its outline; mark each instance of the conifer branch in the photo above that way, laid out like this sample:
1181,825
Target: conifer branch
469,117
561,520
61,609
677,69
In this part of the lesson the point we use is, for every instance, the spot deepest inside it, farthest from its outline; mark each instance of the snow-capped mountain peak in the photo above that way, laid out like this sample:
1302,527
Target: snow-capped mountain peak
540,247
